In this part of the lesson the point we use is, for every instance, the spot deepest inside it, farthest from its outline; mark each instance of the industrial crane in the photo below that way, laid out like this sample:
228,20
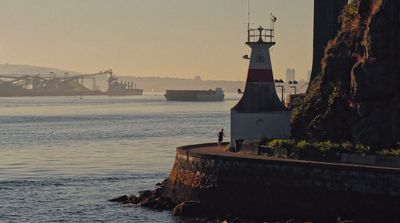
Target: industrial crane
48,85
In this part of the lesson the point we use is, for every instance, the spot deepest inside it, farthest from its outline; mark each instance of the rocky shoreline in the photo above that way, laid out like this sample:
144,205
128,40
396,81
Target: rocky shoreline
155,200
194,210
152,199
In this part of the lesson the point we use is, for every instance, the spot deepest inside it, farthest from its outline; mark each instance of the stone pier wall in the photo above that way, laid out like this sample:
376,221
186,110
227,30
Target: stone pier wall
282,189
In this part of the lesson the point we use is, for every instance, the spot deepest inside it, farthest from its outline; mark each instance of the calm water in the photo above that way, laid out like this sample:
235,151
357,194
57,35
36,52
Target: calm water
61,158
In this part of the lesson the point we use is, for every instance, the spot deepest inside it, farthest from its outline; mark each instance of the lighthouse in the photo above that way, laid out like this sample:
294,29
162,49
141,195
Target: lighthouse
259,113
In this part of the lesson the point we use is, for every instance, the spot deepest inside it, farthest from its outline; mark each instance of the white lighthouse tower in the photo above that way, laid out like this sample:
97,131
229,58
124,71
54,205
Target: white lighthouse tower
259,113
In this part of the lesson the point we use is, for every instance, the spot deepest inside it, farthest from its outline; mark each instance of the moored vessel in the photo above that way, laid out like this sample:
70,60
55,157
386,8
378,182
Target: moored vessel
125,88
195,95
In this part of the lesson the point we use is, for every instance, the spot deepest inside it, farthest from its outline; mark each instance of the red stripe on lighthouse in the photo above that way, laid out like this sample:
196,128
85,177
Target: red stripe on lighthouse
258,75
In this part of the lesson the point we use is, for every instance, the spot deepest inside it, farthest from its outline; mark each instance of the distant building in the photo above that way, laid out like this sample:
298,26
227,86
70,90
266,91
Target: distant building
290,74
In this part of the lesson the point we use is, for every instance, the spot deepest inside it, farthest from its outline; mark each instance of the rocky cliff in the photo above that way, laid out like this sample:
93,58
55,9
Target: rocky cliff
356,97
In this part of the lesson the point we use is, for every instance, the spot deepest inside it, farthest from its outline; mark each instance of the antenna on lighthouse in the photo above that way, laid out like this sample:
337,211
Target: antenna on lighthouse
248,14
248,19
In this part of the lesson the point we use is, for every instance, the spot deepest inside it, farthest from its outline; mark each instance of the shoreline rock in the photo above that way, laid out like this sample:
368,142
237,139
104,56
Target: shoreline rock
152,199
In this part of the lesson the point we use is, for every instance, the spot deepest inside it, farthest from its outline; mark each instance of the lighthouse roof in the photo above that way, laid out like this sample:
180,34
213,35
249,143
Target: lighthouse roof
260,99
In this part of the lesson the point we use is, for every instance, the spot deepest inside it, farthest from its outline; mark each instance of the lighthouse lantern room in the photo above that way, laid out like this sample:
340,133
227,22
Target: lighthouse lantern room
259,113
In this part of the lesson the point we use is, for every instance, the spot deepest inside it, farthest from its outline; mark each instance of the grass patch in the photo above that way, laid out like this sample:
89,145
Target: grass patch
315,150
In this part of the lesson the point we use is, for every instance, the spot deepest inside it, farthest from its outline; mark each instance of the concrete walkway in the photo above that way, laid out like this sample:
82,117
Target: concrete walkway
223,151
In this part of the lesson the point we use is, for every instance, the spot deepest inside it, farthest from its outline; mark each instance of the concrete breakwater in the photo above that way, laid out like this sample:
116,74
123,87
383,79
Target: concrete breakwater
256,187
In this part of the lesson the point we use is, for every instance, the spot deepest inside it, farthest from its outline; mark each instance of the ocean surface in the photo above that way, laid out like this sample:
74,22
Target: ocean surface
61,158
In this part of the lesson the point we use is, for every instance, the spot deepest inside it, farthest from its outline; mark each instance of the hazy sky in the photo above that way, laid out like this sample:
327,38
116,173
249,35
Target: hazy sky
177,38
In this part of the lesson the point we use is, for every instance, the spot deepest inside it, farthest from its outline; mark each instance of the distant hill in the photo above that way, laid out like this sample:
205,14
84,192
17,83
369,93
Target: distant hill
148,84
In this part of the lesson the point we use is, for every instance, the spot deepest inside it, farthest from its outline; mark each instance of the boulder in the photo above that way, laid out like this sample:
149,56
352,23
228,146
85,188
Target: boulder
126,199
149,199
121,199
133,200
189,209
157,203
145,193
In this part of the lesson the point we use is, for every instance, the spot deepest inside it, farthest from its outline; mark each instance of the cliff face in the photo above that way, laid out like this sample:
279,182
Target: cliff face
356,97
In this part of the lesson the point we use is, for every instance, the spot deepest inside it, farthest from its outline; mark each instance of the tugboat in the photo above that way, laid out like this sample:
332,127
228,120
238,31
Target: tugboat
125,88
195,95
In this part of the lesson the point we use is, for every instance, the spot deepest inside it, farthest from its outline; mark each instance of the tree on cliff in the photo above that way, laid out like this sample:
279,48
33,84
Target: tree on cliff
356,97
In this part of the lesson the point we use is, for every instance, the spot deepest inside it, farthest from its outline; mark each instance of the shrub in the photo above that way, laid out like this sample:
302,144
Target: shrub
321,150
362,149
306,150
390,152
282,147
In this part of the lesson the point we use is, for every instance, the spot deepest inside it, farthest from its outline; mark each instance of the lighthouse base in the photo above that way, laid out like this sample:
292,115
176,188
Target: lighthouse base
254,126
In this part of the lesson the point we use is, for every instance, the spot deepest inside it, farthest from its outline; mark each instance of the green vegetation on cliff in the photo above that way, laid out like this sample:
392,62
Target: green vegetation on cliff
312,150
304,149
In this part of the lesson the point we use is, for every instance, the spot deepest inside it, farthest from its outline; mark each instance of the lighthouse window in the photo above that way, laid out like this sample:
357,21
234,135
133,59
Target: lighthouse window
260,59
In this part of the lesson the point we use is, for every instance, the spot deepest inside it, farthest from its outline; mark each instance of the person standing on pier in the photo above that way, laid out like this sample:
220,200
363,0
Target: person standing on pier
221,136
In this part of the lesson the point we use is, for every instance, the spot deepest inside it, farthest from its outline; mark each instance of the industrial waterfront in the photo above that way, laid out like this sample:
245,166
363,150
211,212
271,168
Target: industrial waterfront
27,85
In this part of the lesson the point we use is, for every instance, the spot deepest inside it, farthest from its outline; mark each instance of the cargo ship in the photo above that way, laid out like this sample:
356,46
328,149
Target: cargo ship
195,95
125,88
